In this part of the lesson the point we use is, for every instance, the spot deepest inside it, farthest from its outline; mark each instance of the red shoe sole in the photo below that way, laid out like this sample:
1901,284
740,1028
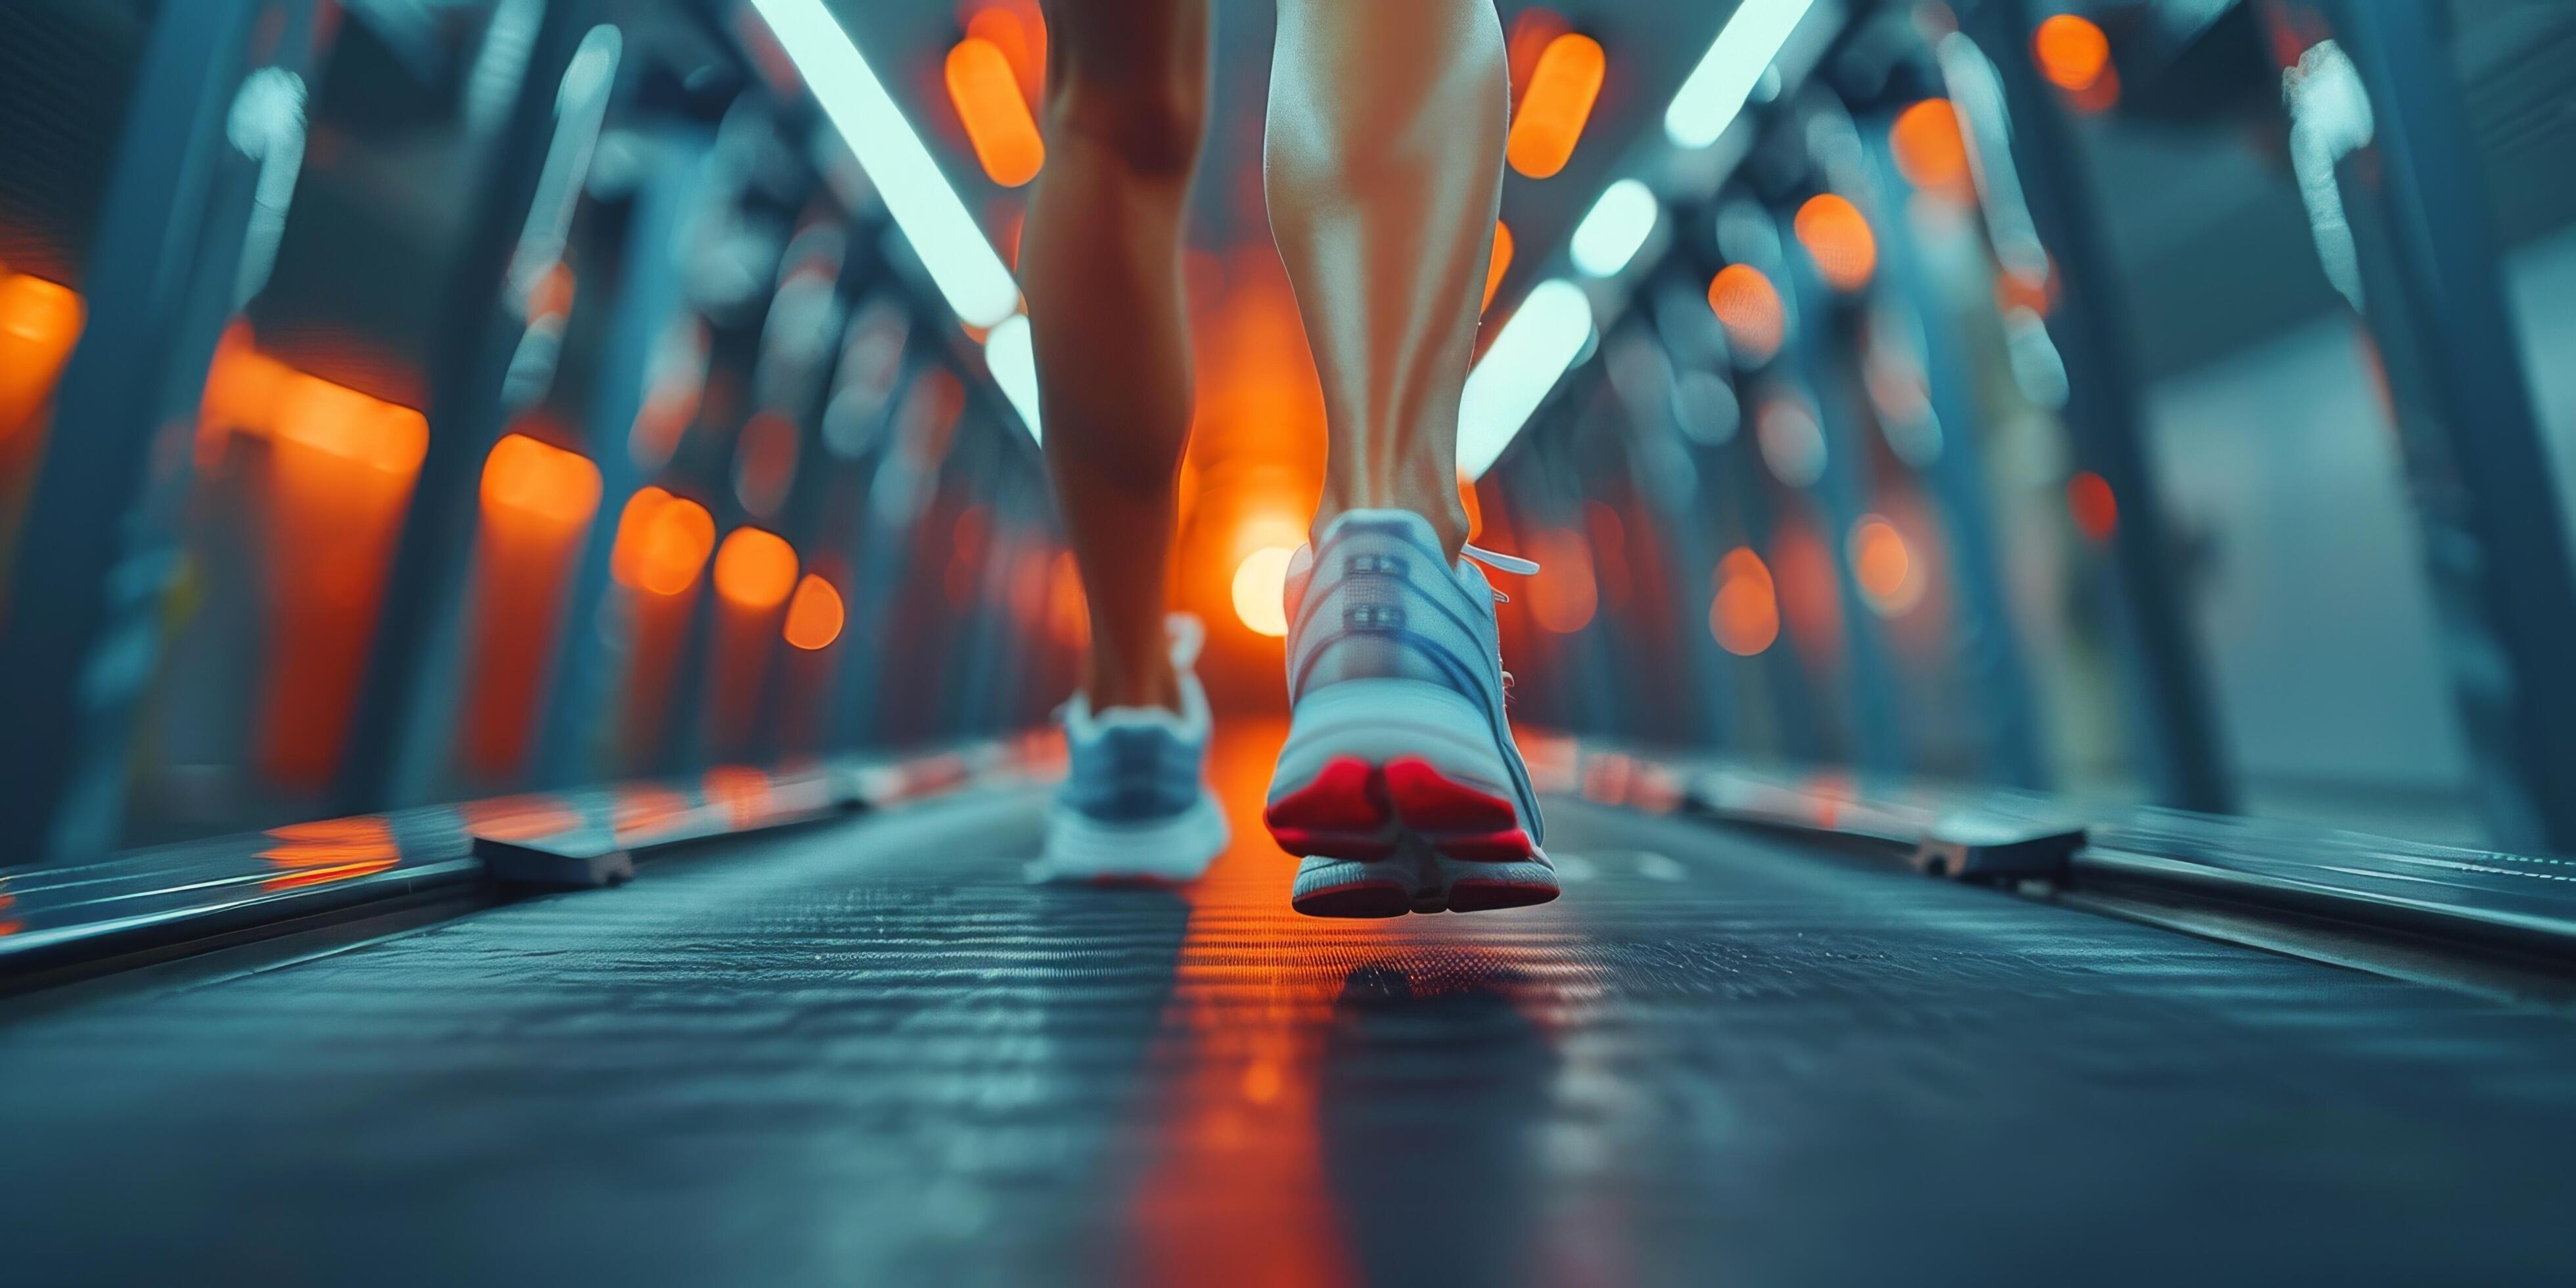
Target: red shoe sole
1355,810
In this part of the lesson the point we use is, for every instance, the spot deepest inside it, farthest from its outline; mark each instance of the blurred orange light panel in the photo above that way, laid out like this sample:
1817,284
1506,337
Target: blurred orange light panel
2072,52
342,470
39,323
1018,29
545,483
1839,240
987,94
1556,106
1748,308
662,542
755,569
814,615
1745,617
537,504
1500,264
1884,566
1929,150
2095,508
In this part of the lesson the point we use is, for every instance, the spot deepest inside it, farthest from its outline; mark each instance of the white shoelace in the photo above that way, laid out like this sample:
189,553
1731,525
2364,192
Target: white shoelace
1500,562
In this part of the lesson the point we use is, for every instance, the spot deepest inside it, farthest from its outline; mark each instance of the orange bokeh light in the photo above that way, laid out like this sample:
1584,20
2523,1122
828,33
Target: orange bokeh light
538,500
1748,308
40,321
814,616
2093,505
1260,590
1745,616
1884,566
545,484
1839,240
662,542
1563,598
986,92
1018,29
1501,262
1929,150
1557,104
2072,52
755,569
1474,504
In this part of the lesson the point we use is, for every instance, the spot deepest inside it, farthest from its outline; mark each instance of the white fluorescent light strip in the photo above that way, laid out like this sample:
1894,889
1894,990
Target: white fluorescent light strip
1715,93
1542,339
1619,223
1012,357
961,263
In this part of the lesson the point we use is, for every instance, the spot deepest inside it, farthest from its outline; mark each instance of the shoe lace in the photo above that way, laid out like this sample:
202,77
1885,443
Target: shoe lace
1500,562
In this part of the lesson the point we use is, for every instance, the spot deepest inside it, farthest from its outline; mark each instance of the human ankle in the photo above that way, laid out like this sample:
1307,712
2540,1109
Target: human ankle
1133,686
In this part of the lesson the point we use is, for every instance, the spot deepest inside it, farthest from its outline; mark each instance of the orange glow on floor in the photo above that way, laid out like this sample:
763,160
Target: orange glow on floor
343,465
1748,309
1260,587
1263,1003
329,850
1563,596
1838,239
1499,264
1928,147
2095,509
814,616
40,321
2071,51
990,103
1559,101
1891,581
662,542
1745,616
755,569
538,500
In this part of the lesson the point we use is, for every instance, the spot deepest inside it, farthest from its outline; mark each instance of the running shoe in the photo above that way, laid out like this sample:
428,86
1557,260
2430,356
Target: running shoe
1135,806
1399,785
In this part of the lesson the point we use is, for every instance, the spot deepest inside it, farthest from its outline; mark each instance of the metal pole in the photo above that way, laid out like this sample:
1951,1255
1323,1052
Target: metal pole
650,294
1841,493
1987,642
482,324
2168,689
2424,245
82,633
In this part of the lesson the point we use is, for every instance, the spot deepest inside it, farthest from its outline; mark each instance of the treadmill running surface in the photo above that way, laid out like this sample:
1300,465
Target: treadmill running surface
871,1053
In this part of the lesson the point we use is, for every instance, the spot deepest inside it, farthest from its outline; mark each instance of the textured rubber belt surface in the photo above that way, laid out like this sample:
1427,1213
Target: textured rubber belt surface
871,1054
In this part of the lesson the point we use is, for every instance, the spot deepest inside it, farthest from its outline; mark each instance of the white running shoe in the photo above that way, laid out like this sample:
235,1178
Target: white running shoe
1135,806
1399,783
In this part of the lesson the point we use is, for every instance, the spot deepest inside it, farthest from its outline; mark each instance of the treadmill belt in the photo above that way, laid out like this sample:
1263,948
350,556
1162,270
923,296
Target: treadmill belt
871,1053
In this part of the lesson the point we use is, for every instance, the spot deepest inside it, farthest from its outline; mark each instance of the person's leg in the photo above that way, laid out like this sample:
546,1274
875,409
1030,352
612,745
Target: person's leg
1100,261
1385,169
1399,785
